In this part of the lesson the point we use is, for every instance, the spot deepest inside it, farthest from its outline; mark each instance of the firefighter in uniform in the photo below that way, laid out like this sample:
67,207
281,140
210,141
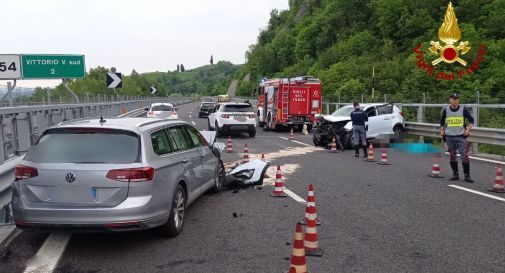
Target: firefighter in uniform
359,117
455,131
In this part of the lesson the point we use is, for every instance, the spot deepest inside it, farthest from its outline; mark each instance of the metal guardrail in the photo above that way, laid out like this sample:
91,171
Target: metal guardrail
26,130
478,135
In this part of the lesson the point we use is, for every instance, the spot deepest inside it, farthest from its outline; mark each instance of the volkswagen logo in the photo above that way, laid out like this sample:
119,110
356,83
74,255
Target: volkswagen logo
70,177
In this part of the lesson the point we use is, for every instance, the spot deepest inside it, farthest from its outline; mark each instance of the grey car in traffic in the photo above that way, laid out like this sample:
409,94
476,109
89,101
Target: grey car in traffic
119,174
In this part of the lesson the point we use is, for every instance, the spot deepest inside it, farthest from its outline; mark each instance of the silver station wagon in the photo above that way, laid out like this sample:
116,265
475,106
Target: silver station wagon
118,174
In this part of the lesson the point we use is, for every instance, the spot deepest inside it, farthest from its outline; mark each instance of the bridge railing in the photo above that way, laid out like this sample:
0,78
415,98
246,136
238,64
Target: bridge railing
20,128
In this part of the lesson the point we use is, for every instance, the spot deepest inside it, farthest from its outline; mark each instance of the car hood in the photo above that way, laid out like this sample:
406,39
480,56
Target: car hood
331,118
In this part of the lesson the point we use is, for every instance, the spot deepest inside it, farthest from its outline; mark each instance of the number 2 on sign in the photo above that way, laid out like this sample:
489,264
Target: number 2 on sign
53,71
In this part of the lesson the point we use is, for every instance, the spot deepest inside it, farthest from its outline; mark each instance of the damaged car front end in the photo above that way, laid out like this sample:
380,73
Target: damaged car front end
246,174
328,127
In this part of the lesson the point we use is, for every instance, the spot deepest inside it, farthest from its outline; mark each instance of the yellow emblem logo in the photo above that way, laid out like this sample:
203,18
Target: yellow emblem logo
450,34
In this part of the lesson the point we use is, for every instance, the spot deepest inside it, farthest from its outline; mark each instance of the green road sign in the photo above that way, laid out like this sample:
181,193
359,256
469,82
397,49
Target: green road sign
37,66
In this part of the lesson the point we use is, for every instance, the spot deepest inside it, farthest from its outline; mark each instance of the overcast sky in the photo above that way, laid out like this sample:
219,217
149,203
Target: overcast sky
145,35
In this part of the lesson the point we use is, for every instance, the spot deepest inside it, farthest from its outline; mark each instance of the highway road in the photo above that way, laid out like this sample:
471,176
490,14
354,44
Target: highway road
374,219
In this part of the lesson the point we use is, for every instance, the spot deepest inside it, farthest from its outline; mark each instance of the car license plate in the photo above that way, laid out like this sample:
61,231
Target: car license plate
239,118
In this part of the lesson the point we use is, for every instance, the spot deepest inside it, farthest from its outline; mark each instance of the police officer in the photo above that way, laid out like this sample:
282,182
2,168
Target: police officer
359,117
455,130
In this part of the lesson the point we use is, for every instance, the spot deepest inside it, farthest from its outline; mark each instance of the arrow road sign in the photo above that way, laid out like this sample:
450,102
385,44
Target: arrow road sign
153,89
114,80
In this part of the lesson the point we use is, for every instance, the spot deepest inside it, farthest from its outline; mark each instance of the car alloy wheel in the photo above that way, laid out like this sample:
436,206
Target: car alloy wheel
179,209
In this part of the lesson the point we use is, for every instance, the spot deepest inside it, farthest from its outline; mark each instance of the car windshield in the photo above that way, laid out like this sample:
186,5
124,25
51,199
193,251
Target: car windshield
238,108
207,106
86,145
162,108
343,112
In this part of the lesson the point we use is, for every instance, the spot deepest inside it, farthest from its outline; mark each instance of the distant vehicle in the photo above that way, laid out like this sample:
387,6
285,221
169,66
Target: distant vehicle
233,117
162,110
383,119
205,109
289,102
119,174
223,98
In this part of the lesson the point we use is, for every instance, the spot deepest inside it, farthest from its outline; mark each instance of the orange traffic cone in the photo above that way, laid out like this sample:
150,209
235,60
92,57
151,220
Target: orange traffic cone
435,170
384,157
498,181
333,148
229,146
278,186
310,241
291,135
311,202
298,260
370,157
246,154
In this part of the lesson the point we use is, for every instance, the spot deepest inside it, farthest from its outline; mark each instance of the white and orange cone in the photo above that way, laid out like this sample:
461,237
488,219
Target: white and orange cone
370,157
384,157
229,146
291,135
298,260
278,186
310,241
498,181
311,202
333,148
246,154
435,170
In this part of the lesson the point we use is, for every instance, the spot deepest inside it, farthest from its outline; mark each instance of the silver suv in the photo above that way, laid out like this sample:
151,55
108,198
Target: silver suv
118,174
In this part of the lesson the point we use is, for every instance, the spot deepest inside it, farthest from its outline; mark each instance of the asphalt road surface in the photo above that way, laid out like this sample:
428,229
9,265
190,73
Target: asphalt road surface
374,219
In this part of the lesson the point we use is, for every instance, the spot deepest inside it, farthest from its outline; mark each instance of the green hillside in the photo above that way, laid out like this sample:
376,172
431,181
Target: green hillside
206,80
340,41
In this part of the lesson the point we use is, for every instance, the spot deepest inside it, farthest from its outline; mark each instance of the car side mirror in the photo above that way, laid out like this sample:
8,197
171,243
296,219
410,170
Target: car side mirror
146,108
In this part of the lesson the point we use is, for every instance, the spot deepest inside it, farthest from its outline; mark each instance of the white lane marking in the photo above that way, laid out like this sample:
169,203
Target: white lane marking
294,196
478,192
296,141
48,255
193,122
481,159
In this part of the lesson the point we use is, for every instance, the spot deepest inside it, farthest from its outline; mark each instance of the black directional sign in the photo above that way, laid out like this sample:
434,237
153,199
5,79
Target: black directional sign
114,80
153,90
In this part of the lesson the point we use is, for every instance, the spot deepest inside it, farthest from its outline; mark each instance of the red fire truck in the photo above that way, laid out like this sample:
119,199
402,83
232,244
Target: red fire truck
289,102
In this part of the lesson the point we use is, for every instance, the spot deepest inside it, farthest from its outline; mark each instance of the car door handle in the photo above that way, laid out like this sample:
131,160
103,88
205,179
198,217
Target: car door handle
387,118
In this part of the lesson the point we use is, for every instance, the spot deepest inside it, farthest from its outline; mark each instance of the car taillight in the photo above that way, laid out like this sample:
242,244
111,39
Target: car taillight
150,113
251,116
401,113
24,172
225,116
132,175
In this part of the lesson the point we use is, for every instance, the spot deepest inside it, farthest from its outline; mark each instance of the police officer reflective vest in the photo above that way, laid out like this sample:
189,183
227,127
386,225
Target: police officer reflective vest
454,121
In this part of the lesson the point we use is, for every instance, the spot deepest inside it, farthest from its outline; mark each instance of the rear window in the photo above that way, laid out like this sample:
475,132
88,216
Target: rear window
207,106
238,108
86,145
162,108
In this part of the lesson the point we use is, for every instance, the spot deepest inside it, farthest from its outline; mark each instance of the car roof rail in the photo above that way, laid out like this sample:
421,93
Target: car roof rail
155,121
75,120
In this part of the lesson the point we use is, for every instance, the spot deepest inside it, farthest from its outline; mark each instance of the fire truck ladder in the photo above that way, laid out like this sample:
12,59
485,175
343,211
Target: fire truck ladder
285,103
